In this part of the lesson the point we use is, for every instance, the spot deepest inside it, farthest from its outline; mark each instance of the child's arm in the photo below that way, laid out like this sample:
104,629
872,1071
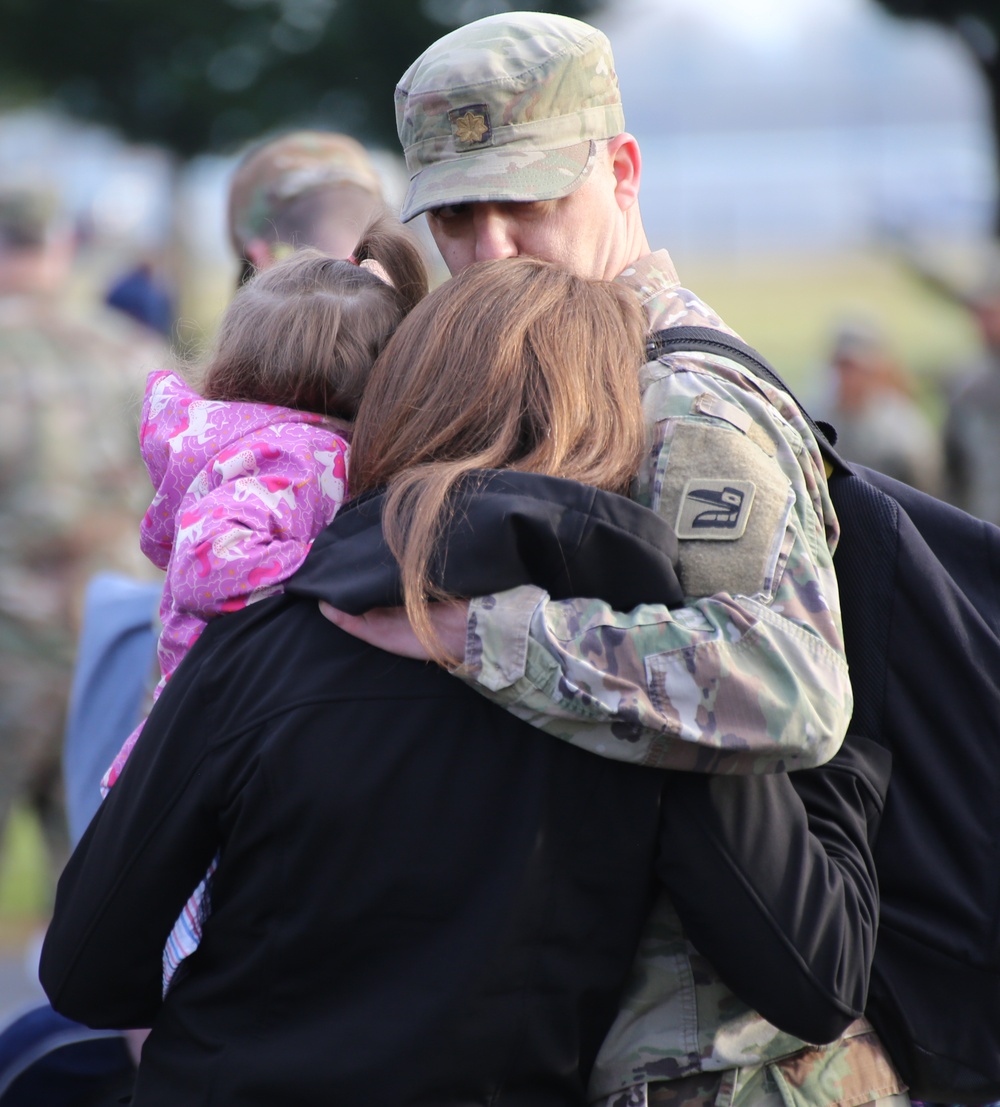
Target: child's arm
253,529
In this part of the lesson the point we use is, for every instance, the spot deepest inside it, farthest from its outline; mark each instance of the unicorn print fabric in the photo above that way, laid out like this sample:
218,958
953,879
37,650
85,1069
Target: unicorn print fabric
242,489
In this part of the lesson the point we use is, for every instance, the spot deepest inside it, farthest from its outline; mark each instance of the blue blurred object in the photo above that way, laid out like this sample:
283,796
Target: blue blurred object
50,1061
115,660
138,293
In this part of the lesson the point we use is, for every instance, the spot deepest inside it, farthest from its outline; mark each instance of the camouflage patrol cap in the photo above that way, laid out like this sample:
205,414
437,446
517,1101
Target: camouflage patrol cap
857,340
506,108
274,174
27,217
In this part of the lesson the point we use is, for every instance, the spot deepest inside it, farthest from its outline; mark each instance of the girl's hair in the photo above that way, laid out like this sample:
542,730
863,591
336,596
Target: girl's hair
305,332
512,364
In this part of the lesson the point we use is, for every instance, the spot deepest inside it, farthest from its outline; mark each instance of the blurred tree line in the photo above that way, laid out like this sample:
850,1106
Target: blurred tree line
203,76
197,76
977,23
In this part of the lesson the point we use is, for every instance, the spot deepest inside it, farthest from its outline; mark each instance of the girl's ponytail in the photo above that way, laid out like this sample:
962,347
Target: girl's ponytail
394,248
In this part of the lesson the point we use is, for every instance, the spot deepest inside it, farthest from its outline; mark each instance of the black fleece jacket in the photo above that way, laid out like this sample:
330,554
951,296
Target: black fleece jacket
420,899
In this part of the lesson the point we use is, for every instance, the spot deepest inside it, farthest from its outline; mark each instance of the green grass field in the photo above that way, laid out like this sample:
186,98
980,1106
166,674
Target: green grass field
25,887
788,308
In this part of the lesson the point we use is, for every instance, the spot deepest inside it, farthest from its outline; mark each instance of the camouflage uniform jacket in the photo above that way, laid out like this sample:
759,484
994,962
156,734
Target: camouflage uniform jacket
72,483
750,676
72,487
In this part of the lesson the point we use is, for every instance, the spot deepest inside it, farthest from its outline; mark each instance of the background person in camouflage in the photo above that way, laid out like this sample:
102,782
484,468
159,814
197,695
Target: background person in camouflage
305,188
972,424
72,486
514,136
875,411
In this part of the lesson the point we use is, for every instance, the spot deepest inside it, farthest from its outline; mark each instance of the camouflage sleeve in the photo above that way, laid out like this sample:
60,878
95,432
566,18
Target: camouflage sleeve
750,675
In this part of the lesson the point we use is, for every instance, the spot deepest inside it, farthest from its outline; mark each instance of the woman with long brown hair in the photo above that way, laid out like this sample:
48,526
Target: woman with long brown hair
419,898
521,366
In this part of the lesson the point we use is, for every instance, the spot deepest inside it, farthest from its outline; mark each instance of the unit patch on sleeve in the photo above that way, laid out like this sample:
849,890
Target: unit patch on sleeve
714,510
729,502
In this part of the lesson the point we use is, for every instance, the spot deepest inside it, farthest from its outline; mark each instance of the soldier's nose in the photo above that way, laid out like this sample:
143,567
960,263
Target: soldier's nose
494,237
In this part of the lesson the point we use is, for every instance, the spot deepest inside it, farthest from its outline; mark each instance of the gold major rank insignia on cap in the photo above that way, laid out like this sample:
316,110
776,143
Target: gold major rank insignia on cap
471,124
714,510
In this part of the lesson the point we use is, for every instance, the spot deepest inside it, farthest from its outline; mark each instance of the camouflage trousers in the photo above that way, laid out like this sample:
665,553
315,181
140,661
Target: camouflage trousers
712,1090
808,1078
35,678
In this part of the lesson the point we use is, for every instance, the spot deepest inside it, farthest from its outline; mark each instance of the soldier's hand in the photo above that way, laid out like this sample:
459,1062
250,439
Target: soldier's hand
389,628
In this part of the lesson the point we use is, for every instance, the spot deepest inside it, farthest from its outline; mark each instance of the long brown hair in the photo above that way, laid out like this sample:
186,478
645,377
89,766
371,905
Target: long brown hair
305,332
512,364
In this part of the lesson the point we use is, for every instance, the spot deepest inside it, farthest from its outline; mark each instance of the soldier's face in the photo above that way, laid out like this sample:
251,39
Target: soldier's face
582,231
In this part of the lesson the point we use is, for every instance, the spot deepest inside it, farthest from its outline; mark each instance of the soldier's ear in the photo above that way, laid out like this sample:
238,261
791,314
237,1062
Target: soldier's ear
626,164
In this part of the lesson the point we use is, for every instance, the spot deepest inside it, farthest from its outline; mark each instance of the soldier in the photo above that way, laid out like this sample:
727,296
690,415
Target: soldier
72,487
878,420
306,188
972,425
514,137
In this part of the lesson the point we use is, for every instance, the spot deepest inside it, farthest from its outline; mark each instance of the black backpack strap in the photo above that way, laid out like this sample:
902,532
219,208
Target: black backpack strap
708,340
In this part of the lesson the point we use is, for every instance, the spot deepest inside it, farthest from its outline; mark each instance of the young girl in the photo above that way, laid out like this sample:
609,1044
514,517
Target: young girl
250,469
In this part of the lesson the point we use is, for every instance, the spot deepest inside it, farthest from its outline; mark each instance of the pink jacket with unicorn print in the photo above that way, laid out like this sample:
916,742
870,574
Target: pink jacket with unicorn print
242,489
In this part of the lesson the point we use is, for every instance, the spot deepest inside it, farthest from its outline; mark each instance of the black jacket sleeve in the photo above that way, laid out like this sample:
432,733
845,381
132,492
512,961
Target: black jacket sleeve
773,879
133,870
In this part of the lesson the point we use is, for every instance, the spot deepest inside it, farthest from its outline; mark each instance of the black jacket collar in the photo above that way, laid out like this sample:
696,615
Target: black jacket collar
508,528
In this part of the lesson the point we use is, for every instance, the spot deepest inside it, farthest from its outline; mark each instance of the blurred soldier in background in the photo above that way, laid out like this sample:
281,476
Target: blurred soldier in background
72,486
972,426
879,422
305,188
